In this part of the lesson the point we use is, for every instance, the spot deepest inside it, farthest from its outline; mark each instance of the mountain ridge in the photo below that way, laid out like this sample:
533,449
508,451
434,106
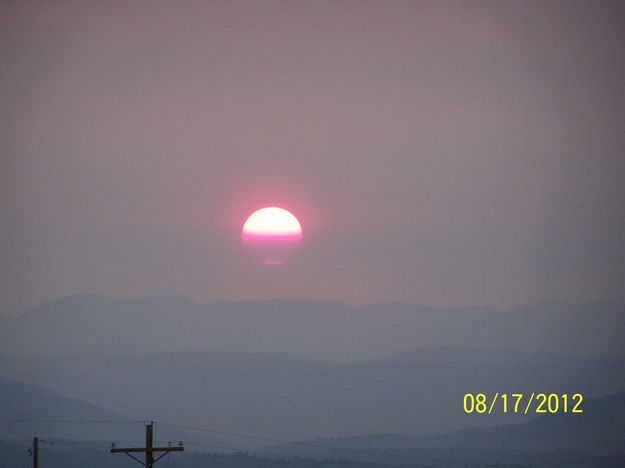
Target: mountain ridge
289,396
318,329
546,440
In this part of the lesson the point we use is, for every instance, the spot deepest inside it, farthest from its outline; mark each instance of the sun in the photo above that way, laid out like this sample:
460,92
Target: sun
271,233
272,224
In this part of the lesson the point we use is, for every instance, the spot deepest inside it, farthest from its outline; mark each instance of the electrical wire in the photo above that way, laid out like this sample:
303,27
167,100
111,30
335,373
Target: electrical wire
245,436
75,421
311,445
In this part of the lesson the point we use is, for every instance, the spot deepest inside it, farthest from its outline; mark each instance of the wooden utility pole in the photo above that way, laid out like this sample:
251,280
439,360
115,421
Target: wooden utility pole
149,448
36,452
149,445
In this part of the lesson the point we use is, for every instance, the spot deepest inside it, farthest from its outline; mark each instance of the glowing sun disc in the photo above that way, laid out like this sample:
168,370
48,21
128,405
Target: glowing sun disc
272,224
271,234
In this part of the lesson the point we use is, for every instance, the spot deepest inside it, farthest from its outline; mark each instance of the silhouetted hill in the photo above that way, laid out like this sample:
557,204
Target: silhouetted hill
303,369
417,392
599,430
25,411
20,401
73,455
325,330
594,438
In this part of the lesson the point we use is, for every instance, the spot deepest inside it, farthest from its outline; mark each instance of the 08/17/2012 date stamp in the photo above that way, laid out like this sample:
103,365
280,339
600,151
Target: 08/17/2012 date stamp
523,403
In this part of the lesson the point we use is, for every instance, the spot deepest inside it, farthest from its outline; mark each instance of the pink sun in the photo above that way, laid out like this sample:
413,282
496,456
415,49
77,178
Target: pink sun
271,233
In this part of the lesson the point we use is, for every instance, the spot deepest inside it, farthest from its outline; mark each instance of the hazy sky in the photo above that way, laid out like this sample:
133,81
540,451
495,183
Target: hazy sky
443,153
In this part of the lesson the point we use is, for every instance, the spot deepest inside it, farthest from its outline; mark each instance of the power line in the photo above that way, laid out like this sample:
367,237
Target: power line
311,445
149,448
245,436
76,421
235,434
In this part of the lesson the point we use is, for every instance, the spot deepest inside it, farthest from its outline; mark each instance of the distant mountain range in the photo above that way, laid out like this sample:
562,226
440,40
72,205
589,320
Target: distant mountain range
332,331
303,369
594,438
418,392
81,455
21,402
591,439
30,410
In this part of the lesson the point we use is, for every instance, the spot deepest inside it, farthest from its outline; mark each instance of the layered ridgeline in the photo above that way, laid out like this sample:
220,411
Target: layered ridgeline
304,369
323,330
72,455
420,392
592,439
27,410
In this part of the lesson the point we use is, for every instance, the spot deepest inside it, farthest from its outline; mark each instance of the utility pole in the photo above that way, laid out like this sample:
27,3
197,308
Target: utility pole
149,445
36,452
149,448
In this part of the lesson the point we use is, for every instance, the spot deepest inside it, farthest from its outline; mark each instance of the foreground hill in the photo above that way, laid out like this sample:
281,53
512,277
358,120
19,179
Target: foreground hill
304,369
73,455
21,402
323,330
27,410
417,392
594,438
